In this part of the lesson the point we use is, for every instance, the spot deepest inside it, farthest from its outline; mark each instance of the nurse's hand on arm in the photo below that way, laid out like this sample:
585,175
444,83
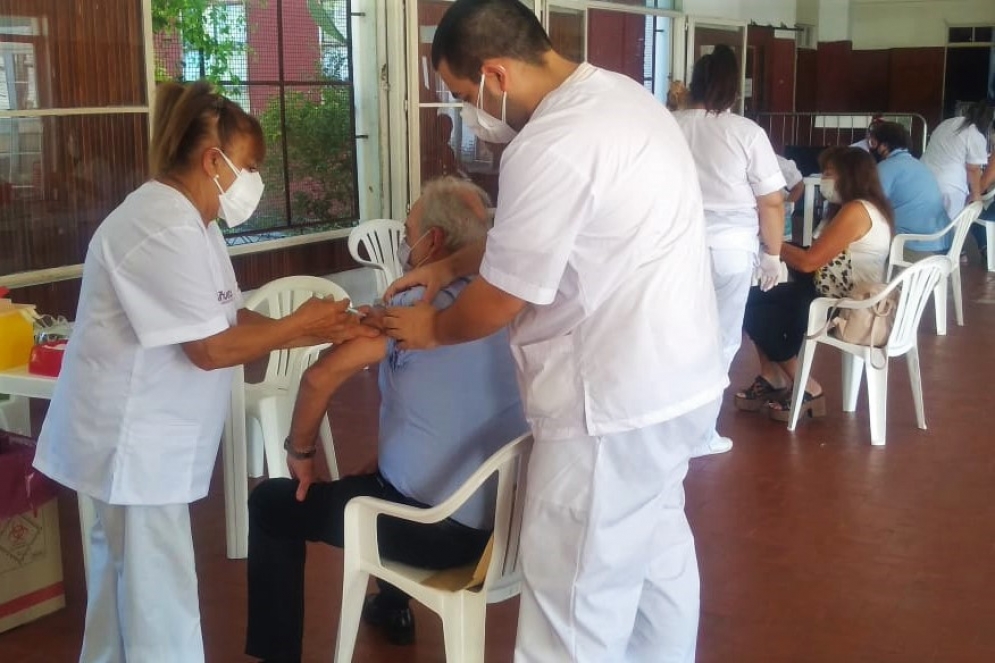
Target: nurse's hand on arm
770,209
437,275
319,383
850,224
479,311
315,321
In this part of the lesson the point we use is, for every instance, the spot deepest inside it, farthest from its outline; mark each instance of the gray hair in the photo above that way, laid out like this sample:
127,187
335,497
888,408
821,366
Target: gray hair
459,208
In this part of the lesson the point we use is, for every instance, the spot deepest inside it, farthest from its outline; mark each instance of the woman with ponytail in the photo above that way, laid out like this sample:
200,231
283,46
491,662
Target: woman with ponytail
137,415
741,185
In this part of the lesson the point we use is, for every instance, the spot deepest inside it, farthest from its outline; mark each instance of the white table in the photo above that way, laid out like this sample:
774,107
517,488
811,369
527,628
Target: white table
21,385
808,219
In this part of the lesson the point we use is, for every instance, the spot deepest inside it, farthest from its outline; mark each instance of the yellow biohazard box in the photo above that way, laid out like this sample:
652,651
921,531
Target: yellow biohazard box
17,333
30,548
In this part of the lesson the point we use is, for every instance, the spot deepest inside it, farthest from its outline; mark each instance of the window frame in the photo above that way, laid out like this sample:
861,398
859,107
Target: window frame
370,128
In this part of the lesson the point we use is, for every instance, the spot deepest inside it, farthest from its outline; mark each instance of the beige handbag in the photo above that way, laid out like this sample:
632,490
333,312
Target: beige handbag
866,326
869,326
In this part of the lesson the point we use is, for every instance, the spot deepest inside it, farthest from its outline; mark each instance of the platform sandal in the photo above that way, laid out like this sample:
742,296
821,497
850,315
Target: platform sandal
779,409
756,395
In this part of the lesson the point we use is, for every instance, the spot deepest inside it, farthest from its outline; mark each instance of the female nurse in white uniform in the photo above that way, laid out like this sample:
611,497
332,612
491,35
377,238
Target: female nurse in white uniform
956,153
137,414
741,186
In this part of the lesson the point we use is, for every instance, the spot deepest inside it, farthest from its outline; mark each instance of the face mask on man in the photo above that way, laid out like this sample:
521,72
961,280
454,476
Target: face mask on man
827,186
242,197
404,253
484,125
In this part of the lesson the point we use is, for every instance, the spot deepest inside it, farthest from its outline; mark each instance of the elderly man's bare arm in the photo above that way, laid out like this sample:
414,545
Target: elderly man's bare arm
323,378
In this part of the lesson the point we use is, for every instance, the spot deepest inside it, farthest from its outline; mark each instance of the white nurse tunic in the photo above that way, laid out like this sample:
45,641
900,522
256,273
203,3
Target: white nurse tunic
736,164
953,146
132,419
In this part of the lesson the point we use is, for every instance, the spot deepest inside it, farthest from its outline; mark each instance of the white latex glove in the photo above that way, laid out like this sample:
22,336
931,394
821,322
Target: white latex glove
768,270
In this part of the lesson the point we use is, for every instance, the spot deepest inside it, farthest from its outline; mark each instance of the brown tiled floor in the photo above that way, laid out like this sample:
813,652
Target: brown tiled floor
813,546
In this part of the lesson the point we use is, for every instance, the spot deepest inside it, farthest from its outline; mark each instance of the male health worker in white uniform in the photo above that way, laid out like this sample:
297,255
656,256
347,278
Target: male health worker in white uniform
598,260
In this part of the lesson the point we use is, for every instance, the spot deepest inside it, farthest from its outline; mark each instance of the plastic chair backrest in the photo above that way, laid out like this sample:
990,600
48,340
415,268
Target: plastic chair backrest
511,462
916,284
280,298
988,198
962,224
380,239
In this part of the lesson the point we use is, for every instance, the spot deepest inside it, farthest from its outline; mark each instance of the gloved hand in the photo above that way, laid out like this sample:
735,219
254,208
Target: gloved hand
768,270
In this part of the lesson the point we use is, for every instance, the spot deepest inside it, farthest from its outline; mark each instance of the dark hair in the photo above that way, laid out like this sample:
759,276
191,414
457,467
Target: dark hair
715,80
857,178
980,114
892,134
188,117
472,31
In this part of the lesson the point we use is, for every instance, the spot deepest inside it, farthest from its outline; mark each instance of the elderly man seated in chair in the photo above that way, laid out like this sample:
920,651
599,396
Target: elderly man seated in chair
443,412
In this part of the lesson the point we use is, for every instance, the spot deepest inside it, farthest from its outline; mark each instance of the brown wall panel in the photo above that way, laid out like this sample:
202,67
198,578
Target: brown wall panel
870,72
780,75
832,71
771,66
916,82
805,98
617,41
252,271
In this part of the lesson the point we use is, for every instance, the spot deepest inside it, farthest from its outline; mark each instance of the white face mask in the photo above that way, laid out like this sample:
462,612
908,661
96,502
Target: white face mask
484,125
404,253
242,197
827,186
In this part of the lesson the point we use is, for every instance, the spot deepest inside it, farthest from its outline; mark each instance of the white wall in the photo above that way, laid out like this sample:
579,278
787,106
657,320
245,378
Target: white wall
834,20
765,12
913,23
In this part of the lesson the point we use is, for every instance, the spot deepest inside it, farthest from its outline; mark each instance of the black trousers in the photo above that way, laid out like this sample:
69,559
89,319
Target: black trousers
280,526
777,320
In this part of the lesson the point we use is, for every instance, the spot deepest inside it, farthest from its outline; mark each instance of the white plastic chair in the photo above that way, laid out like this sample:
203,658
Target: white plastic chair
463,611
960,227
270,403
989,226
915,284
380,239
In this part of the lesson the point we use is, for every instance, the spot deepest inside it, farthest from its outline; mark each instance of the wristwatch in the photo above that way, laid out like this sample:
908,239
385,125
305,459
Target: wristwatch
297,454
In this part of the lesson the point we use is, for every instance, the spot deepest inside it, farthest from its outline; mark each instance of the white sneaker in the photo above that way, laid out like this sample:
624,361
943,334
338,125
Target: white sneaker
717,444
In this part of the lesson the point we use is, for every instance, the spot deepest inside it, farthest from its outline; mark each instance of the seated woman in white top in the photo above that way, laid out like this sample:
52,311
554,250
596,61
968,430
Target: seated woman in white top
741,188
777,320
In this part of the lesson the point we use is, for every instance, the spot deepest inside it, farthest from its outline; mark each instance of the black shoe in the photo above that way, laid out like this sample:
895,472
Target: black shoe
396,623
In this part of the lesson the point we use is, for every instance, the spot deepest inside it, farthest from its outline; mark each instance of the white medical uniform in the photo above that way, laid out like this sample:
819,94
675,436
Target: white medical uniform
790,172
599,226
736,164
953,146
136,426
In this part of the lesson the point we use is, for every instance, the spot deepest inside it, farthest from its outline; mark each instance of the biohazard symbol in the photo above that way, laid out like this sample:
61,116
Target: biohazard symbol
18,536
18,532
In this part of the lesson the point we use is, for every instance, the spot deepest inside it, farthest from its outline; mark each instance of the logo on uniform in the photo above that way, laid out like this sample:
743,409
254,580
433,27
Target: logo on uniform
225,296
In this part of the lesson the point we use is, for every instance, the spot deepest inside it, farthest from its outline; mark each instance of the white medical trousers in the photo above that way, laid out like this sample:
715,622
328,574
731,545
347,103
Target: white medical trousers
142,586
607,554
732,276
